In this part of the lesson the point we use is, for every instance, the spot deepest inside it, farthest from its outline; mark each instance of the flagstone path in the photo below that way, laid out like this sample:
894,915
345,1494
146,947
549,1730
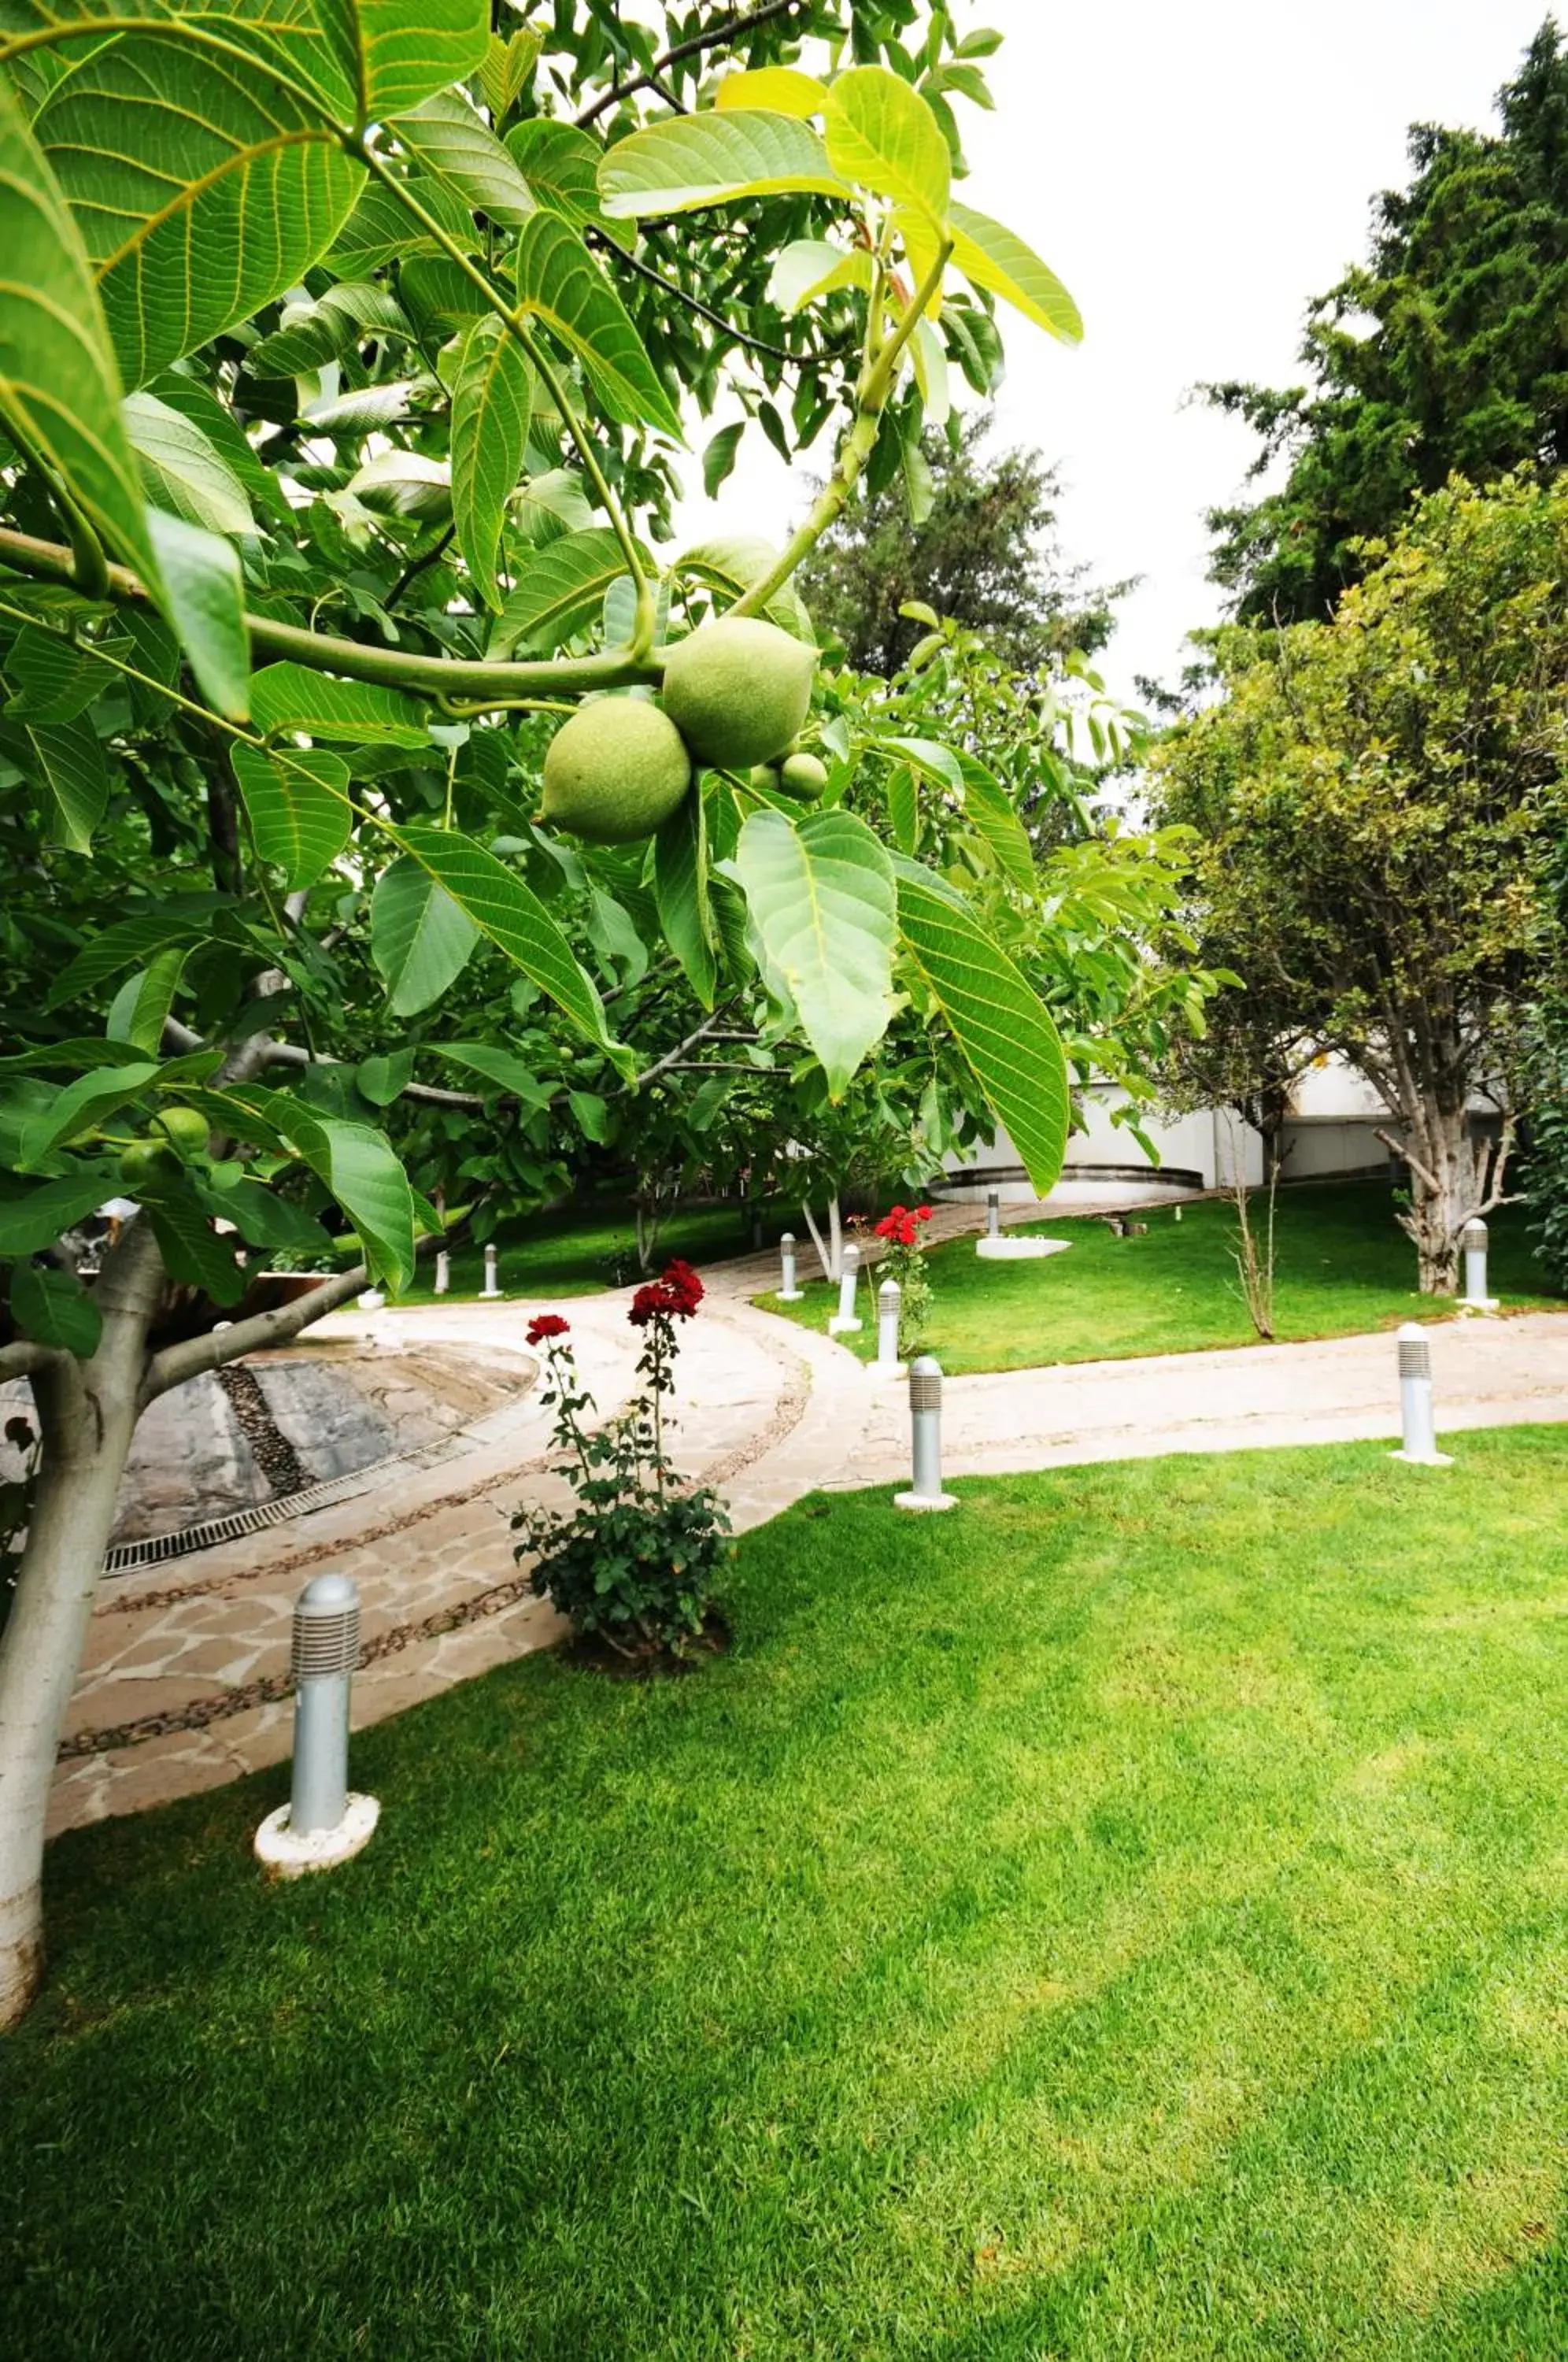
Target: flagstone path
186,1682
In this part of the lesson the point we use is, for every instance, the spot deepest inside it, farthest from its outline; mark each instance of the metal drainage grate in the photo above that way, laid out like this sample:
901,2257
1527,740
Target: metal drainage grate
157,1548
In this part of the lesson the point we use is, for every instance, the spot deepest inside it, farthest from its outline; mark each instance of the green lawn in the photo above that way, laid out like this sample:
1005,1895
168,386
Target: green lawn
574,1251
1124,1920
1343,1265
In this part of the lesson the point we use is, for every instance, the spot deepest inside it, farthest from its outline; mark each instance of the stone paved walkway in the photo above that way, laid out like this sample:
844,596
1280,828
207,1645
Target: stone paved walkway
186,1682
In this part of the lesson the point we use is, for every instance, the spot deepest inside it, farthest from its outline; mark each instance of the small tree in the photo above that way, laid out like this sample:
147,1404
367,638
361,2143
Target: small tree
1373,796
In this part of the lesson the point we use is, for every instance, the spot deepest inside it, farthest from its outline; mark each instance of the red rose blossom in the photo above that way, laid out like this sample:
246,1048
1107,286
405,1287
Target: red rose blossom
547,1324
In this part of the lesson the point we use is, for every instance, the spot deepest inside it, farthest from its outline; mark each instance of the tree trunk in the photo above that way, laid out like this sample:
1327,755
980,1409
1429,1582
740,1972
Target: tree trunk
1447,1185
87,1415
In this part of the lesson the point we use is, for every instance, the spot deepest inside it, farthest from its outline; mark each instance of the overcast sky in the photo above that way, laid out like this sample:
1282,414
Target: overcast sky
1194,170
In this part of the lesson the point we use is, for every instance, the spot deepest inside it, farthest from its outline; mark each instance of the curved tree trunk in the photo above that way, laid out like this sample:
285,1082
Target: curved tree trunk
87,1415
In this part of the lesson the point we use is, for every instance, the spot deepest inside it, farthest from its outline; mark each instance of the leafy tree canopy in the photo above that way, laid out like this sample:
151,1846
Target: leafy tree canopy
973,536
1446,350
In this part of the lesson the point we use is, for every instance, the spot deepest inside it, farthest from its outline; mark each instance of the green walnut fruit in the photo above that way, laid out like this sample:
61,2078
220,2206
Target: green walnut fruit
803,776
184,1129
764,778
738,691
615,771
149,1164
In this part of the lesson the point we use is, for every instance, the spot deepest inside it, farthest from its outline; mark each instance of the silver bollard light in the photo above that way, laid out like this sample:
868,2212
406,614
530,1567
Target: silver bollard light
1473,1245
993,1213
322,1823
1418,1419
845,1321
889,1304
443,1271
787,1291
925,1438
489,1288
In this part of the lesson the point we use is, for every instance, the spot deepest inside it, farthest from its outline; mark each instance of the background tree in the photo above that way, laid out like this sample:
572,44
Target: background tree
1374,797
329,466
980,547
1446,350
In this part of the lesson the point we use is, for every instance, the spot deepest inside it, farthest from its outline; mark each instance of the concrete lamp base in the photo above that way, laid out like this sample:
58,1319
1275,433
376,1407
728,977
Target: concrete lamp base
792,1295
1019,1250
287,1856
1480,1303
888,1369
1424,1459
926,1502
838,1328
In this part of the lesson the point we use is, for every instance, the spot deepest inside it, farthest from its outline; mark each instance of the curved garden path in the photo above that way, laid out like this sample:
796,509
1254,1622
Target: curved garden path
186,1682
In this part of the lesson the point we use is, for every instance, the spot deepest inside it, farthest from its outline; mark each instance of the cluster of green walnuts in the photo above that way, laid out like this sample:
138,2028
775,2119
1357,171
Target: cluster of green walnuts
179,1138
734,697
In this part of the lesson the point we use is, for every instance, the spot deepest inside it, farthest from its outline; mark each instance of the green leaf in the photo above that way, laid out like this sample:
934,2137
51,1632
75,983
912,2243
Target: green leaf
881,134
191,1250
141,1008
54,1309
513,918
401,53
82,1107
903,808
508,70
29,1224
381,231
52,678
999,1023
719,458
58,386
562,592
732,562
993,258
65,762
458,147
420,938
560,164
207,606
502,1068
492,400
181,470
821,905
361,1169
406,484
680,890
693,160
297,802
199,407
365,408
986,802
203,188
810,267
559,281
265,1219
296,697
384,1078
131,941
550,505
314,333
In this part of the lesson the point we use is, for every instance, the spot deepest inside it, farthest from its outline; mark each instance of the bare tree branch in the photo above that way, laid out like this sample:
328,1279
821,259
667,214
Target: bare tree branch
1408,1156
176,1363
712,40
21,1358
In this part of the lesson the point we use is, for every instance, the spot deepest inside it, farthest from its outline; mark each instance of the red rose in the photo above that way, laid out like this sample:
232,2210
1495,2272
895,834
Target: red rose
547,1324
922,1213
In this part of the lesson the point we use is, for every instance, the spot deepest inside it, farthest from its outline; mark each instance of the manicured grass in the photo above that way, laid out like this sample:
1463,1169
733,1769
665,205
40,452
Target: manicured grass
575,1251
1343,1267
1124,1920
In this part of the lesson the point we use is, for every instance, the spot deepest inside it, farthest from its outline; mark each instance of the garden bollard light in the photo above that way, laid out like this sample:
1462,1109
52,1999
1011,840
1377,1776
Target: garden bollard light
489,1288
844,1321
322,1823
889,1302
993,1213
925,1427
443,1271
1417,1420
787,1291
1473,1240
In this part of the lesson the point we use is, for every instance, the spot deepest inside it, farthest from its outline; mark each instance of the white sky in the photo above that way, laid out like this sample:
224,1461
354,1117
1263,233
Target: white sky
1194,170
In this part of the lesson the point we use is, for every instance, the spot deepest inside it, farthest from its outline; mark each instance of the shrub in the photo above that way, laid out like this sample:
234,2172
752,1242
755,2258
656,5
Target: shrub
634,1562
904,1259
